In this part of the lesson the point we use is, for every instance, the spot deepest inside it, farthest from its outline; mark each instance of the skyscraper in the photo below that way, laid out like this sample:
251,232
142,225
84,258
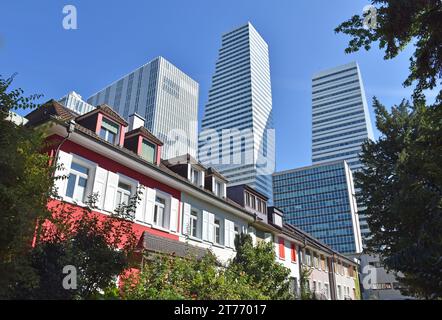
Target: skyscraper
234,134
320,200
165,97
76,103
340,119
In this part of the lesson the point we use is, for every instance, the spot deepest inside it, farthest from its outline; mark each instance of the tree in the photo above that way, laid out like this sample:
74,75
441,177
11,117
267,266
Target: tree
170,277
25,185
401,186
98,247
258,263
398,24
305,292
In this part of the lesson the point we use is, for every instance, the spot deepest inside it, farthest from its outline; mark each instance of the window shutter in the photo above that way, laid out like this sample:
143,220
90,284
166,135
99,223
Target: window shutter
293,252
206,226
227,233
60,184
100,186
141,204
111,191
186,218
150,205
174,203
211,234
281,248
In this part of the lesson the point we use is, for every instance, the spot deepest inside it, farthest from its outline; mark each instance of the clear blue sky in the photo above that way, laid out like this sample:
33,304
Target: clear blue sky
115,37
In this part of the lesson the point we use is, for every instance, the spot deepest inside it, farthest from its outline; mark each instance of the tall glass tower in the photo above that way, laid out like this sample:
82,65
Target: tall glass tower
320,200
165,97
236,136
340,119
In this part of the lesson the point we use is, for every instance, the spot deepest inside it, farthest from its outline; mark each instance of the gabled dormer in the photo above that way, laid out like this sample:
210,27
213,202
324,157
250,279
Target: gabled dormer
215,182
142,141
252,200
106,123
189,168
274,216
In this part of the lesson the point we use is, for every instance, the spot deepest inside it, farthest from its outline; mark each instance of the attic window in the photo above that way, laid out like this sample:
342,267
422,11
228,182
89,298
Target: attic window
148,151
109,131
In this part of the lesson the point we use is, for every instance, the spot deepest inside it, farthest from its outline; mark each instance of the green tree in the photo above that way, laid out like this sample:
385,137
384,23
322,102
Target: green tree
305,292
100,248
401,186
25,185
400,23
258,263
169,277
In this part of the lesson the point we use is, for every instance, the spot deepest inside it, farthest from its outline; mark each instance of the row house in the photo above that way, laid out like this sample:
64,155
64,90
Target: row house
184,207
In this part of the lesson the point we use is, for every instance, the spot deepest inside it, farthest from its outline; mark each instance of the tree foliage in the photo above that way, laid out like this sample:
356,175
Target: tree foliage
260,265
252,274
398,24
25,185
401,186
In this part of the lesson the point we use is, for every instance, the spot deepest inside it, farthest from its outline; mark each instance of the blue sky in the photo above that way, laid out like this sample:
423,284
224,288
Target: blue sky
115,37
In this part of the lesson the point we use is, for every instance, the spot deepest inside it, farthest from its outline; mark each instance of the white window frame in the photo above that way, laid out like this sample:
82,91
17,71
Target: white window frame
217,227
89,179
163,215
106,135
194,222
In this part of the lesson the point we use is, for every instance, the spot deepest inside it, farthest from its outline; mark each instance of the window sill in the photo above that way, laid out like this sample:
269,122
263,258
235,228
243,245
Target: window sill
160,228
195,239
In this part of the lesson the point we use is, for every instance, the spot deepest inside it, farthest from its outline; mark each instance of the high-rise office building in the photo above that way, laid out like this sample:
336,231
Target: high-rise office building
340,119
165,97
76,103
320,200
235,136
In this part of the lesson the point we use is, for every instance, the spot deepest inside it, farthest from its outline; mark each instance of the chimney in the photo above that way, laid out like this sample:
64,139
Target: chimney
135,121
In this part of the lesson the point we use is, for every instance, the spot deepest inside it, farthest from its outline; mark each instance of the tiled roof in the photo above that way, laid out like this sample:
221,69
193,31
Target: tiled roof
104,108
145,133
50,109
157,244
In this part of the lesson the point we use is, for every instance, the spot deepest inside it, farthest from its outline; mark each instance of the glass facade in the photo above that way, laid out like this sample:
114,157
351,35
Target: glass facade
240,103
166,97
340,119
320,200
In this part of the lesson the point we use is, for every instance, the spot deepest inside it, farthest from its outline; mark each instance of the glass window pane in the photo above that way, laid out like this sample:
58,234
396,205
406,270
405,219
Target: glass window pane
111,137
79,168
148,151
71,185
110,126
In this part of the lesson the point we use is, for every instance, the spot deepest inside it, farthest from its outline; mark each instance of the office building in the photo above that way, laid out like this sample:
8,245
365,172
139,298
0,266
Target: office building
75,102
235,136
320,200
165,97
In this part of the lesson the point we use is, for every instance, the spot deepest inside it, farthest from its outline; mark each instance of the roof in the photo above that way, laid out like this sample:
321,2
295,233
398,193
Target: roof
145,133
50,109
105,109
213,172
250,189
183,159
158,244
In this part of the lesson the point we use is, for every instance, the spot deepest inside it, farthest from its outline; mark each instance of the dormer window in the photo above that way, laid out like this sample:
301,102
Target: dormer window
194,176
109,131
217,188
148,151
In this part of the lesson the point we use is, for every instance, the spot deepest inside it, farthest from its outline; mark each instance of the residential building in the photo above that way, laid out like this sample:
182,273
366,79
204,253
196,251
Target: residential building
236,136
75,102
165,97
320,200
183,209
